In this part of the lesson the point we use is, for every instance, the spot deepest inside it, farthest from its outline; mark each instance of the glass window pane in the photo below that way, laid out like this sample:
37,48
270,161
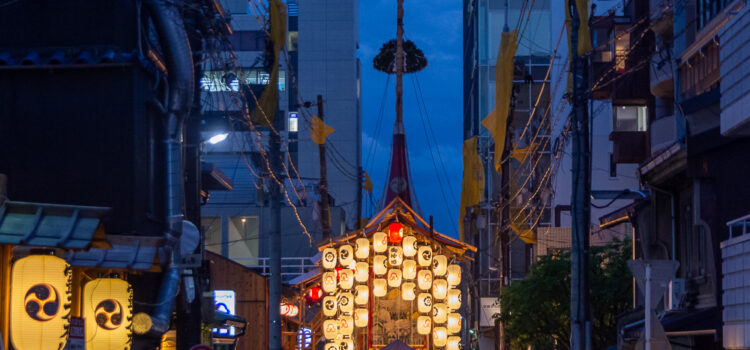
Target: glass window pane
630,118
212,233
243,238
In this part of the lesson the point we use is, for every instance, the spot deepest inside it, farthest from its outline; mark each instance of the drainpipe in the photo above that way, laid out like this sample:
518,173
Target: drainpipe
672,200
174,40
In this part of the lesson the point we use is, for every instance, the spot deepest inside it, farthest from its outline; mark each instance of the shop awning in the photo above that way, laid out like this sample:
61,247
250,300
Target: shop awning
620,215
127,252
698,322
52,225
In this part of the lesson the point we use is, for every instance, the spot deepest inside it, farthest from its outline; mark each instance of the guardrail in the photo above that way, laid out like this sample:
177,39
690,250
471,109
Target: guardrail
290,266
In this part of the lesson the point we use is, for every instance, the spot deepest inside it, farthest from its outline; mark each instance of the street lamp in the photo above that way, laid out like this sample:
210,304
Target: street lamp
217,138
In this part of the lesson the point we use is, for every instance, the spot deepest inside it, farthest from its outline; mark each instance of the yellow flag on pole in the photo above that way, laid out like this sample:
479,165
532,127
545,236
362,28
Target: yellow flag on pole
368,186
265,110
319,130
496,122
473,182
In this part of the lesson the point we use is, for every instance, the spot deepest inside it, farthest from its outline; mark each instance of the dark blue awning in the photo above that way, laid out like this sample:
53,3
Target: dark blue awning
127,252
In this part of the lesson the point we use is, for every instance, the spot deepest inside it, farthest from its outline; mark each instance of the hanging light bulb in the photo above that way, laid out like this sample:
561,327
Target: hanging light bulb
439,289
454,323
424,304
453,343
408,291
409,245
424,325
329,282
379,265
330,306
439,265
346,302
346,255
329,258
346,278
394,278
409,269
363,248
379,242
379,287
454,275
439,336
439,313
362,271
362,295
360,317
395,256
454,299
424,279
424,256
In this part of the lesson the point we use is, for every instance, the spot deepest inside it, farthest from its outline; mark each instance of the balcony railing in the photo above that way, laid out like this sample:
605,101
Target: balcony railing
290,267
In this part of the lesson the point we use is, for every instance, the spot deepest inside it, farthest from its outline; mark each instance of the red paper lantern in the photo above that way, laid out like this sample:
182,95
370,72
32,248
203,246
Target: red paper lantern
314,295
337,271
395,233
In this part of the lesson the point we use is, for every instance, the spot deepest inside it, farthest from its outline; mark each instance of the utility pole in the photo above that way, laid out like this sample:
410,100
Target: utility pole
360,181
400,63
580,323
274,249
325,215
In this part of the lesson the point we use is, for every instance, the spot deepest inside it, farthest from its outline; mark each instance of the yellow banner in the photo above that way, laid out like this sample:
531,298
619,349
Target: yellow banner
472,188
496,122
319,130
264,112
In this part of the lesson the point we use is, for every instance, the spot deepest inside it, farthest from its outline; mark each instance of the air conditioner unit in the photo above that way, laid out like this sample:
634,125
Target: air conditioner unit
676,293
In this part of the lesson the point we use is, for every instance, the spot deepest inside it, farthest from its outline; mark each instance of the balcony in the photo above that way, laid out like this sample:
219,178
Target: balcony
629,146
735,92
735,268
663,132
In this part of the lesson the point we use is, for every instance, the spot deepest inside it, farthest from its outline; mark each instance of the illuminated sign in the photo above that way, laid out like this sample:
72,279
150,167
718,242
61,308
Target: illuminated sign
224,301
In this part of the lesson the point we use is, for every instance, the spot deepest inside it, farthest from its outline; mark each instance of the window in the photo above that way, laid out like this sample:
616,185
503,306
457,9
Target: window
248,40
230,81
622,48
243,238
706,10
630,118
212,233
293,122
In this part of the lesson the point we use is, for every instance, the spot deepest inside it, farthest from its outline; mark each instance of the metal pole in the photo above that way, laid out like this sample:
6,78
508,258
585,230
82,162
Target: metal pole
274,239
358,225
399,62
649,319
325,215
580,327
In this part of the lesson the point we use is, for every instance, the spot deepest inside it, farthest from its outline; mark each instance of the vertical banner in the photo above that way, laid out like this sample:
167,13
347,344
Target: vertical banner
39,303
108,311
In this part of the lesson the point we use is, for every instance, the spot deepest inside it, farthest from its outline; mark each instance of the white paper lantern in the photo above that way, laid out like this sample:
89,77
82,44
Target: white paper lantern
424,325
346,344
454,275
394,278
439,265
439,336
363,248
424,256
362,271
346,278
454,299
332,345
439,313
330,306
379,287
439,289
409,245
330,329
346,325
424,279
453,343
424,304
329,282
409,269
329,258
346,255
346,302
453,323
379,265
408,291
379,242
360,317
362,295
395,256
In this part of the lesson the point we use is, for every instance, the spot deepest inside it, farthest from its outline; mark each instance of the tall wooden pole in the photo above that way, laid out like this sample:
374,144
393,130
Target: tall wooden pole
400,63
274,239
580,323
325,216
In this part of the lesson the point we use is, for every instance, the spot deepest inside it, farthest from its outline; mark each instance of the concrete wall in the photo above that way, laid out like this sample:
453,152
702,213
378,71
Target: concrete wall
735,267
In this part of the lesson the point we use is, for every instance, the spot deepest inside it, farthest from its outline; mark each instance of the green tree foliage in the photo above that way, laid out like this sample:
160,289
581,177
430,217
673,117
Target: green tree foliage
536,309
385,61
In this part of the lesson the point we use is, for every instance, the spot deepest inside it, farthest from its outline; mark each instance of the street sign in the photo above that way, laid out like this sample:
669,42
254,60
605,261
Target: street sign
76,334
662,271
489,308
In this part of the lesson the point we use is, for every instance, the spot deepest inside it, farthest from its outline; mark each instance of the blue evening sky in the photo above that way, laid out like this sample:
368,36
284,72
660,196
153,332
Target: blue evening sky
435,27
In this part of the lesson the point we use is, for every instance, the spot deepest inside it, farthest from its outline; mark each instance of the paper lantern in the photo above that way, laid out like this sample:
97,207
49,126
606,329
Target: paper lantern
424,279
424,304
439,265
379,265
439,289
424,256
289,310
332,345
454,275
379,242
330,306
395,233
108,312
409,246
395,256
454,299
346,344
360,318
439,313
363,248
408,291
330,329
346,302
346,325
361,272
424,325
361,295
453,323
329,282
453,343
346,278
439,336
379,287
346,255
314,295
39,302
409,269
329,258
394,278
